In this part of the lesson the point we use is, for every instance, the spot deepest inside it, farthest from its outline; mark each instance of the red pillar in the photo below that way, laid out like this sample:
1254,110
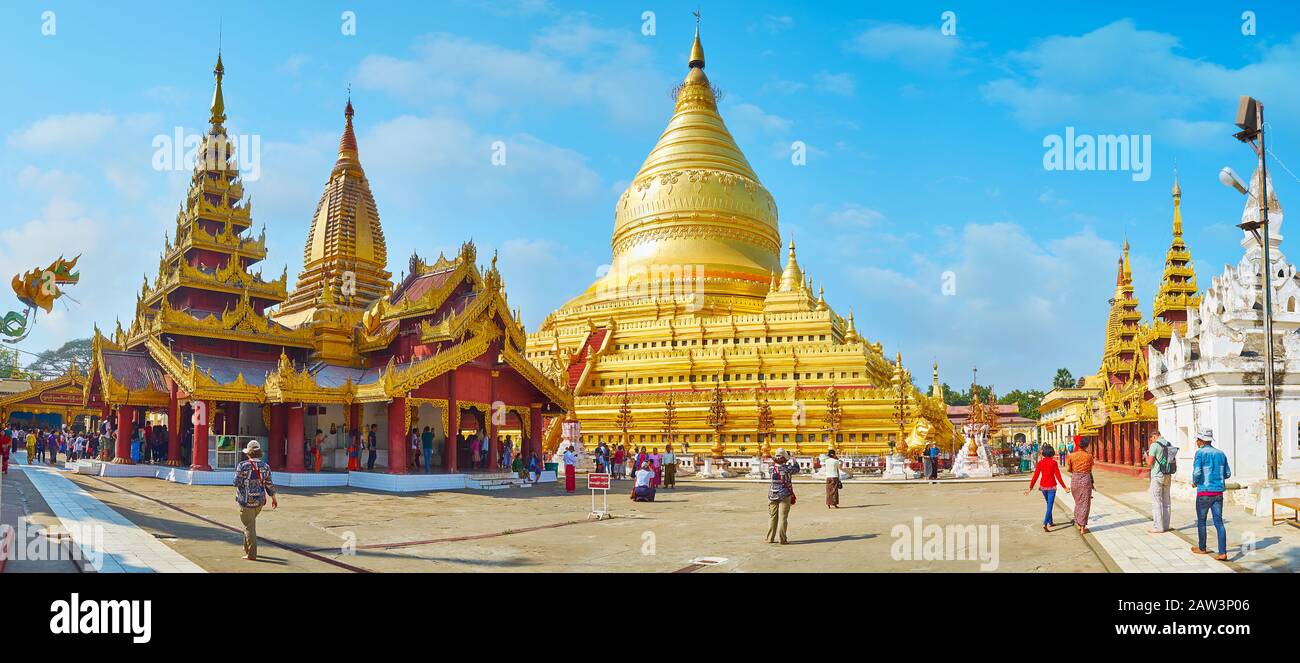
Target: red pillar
199,450
494,447
125,417
275,445
453,423
295,424
173,431
535,429
397,436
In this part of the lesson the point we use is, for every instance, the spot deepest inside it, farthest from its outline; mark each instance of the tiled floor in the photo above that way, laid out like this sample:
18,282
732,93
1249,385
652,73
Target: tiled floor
123,548
1122,532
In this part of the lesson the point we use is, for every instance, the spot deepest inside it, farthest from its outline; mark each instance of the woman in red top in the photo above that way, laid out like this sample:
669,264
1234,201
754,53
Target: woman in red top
1050,473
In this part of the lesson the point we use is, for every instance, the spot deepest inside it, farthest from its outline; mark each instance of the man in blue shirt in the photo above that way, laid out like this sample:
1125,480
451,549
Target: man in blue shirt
934,461
1210,474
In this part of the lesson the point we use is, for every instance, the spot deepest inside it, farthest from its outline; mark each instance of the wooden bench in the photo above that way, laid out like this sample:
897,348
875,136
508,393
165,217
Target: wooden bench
1292,503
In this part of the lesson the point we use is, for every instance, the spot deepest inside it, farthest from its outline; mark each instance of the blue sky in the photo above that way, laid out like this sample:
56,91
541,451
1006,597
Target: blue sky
925,151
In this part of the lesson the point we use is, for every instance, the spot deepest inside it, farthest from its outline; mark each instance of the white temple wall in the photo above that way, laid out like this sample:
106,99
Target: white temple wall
1237,419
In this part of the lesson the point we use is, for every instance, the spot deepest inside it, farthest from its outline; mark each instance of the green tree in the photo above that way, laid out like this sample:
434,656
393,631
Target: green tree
10,367
1028,401
952,397
1063,379
53,363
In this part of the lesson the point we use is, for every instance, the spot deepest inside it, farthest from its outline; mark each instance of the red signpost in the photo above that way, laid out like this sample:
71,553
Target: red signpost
599,481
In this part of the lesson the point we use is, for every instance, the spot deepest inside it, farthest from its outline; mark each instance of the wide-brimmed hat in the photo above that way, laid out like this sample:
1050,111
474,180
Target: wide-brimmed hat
1206,434
253,446
782,452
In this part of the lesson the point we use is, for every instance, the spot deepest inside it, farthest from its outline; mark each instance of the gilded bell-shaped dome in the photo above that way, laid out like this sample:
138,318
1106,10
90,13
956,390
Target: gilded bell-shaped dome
696,203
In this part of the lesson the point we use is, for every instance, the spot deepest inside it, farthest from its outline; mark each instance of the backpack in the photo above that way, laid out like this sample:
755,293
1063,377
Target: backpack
1168,461
254,488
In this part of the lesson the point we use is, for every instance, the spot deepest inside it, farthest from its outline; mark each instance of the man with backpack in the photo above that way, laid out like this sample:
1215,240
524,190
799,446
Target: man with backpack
252,487
1163,458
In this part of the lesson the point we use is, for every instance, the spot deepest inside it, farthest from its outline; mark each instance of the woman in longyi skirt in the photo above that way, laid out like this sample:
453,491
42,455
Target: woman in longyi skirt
1079,465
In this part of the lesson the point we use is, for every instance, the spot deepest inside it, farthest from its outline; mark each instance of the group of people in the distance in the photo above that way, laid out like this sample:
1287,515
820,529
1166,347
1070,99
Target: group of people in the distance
45,445
1210,473
649,469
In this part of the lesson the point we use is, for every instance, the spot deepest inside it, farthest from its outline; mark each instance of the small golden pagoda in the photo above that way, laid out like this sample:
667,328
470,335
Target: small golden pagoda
698,310
345,246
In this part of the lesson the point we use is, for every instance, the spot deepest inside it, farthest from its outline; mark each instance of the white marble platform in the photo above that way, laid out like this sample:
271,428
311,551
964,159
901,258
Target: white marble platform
407,483
108,542
395,483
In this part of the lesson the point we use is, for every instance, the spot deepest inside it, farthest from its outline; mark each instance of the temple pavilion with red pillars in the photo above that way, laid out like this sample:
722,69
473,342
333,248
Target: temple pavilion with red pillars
225,355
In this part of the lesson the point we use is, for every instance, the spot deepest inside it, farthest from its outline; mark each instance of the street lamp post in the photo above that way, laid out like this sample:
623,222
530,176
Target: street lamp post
1250,119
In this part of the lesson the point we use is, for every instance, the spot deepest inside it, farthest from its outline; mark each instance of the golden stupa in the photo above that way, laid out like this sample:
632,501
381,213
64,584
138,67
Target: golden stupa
345,245
697,308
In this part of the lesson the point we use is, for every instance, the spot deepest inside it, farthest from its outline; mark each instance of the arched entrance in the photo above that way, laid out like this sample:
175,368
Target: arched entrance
473,420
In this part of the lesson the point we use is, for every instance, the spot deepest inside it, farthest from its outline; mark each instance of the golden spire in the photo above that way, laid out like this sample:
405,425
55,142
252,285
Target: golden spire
792,276
851,334
218,101
346,236
1128,271
348,158
1177,291
697,49
1178,214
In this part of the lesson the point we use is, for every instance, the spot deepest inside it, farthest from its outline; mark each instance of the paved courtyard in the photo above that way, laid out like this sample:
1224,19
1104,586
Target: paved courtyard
703,526
543,529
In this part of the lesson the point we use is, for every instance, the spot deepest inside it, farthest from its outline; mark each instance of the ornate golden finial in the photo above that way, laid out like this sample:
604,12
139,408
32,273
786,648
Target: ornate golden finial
1178,214
348,141
218,100
851,334
792,276
1128,271
697,49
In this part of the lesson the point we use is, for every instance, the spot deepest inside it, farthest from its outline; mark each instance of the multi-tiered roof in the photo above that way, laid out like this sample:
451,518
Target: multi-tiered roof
204,287
1124,361
1178,289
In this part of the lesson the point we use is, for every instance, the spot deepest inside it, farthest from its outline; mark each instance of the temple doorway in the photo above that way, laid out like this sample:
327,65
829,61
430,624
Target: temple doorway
472,421
429,415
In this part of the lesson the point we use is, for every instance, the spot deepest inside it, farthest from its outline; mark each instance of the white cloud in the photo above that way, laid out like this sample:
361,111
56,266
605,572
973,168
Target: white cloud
1120,78
917,47
773,25
1023,306
59,132
856,216
842,84
749,117
294,64
572,64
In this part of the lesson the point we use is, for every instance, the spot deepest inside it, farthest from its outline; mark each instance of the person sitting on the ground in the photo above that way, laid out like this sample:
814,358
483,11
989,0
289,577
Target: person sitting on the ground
643,491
